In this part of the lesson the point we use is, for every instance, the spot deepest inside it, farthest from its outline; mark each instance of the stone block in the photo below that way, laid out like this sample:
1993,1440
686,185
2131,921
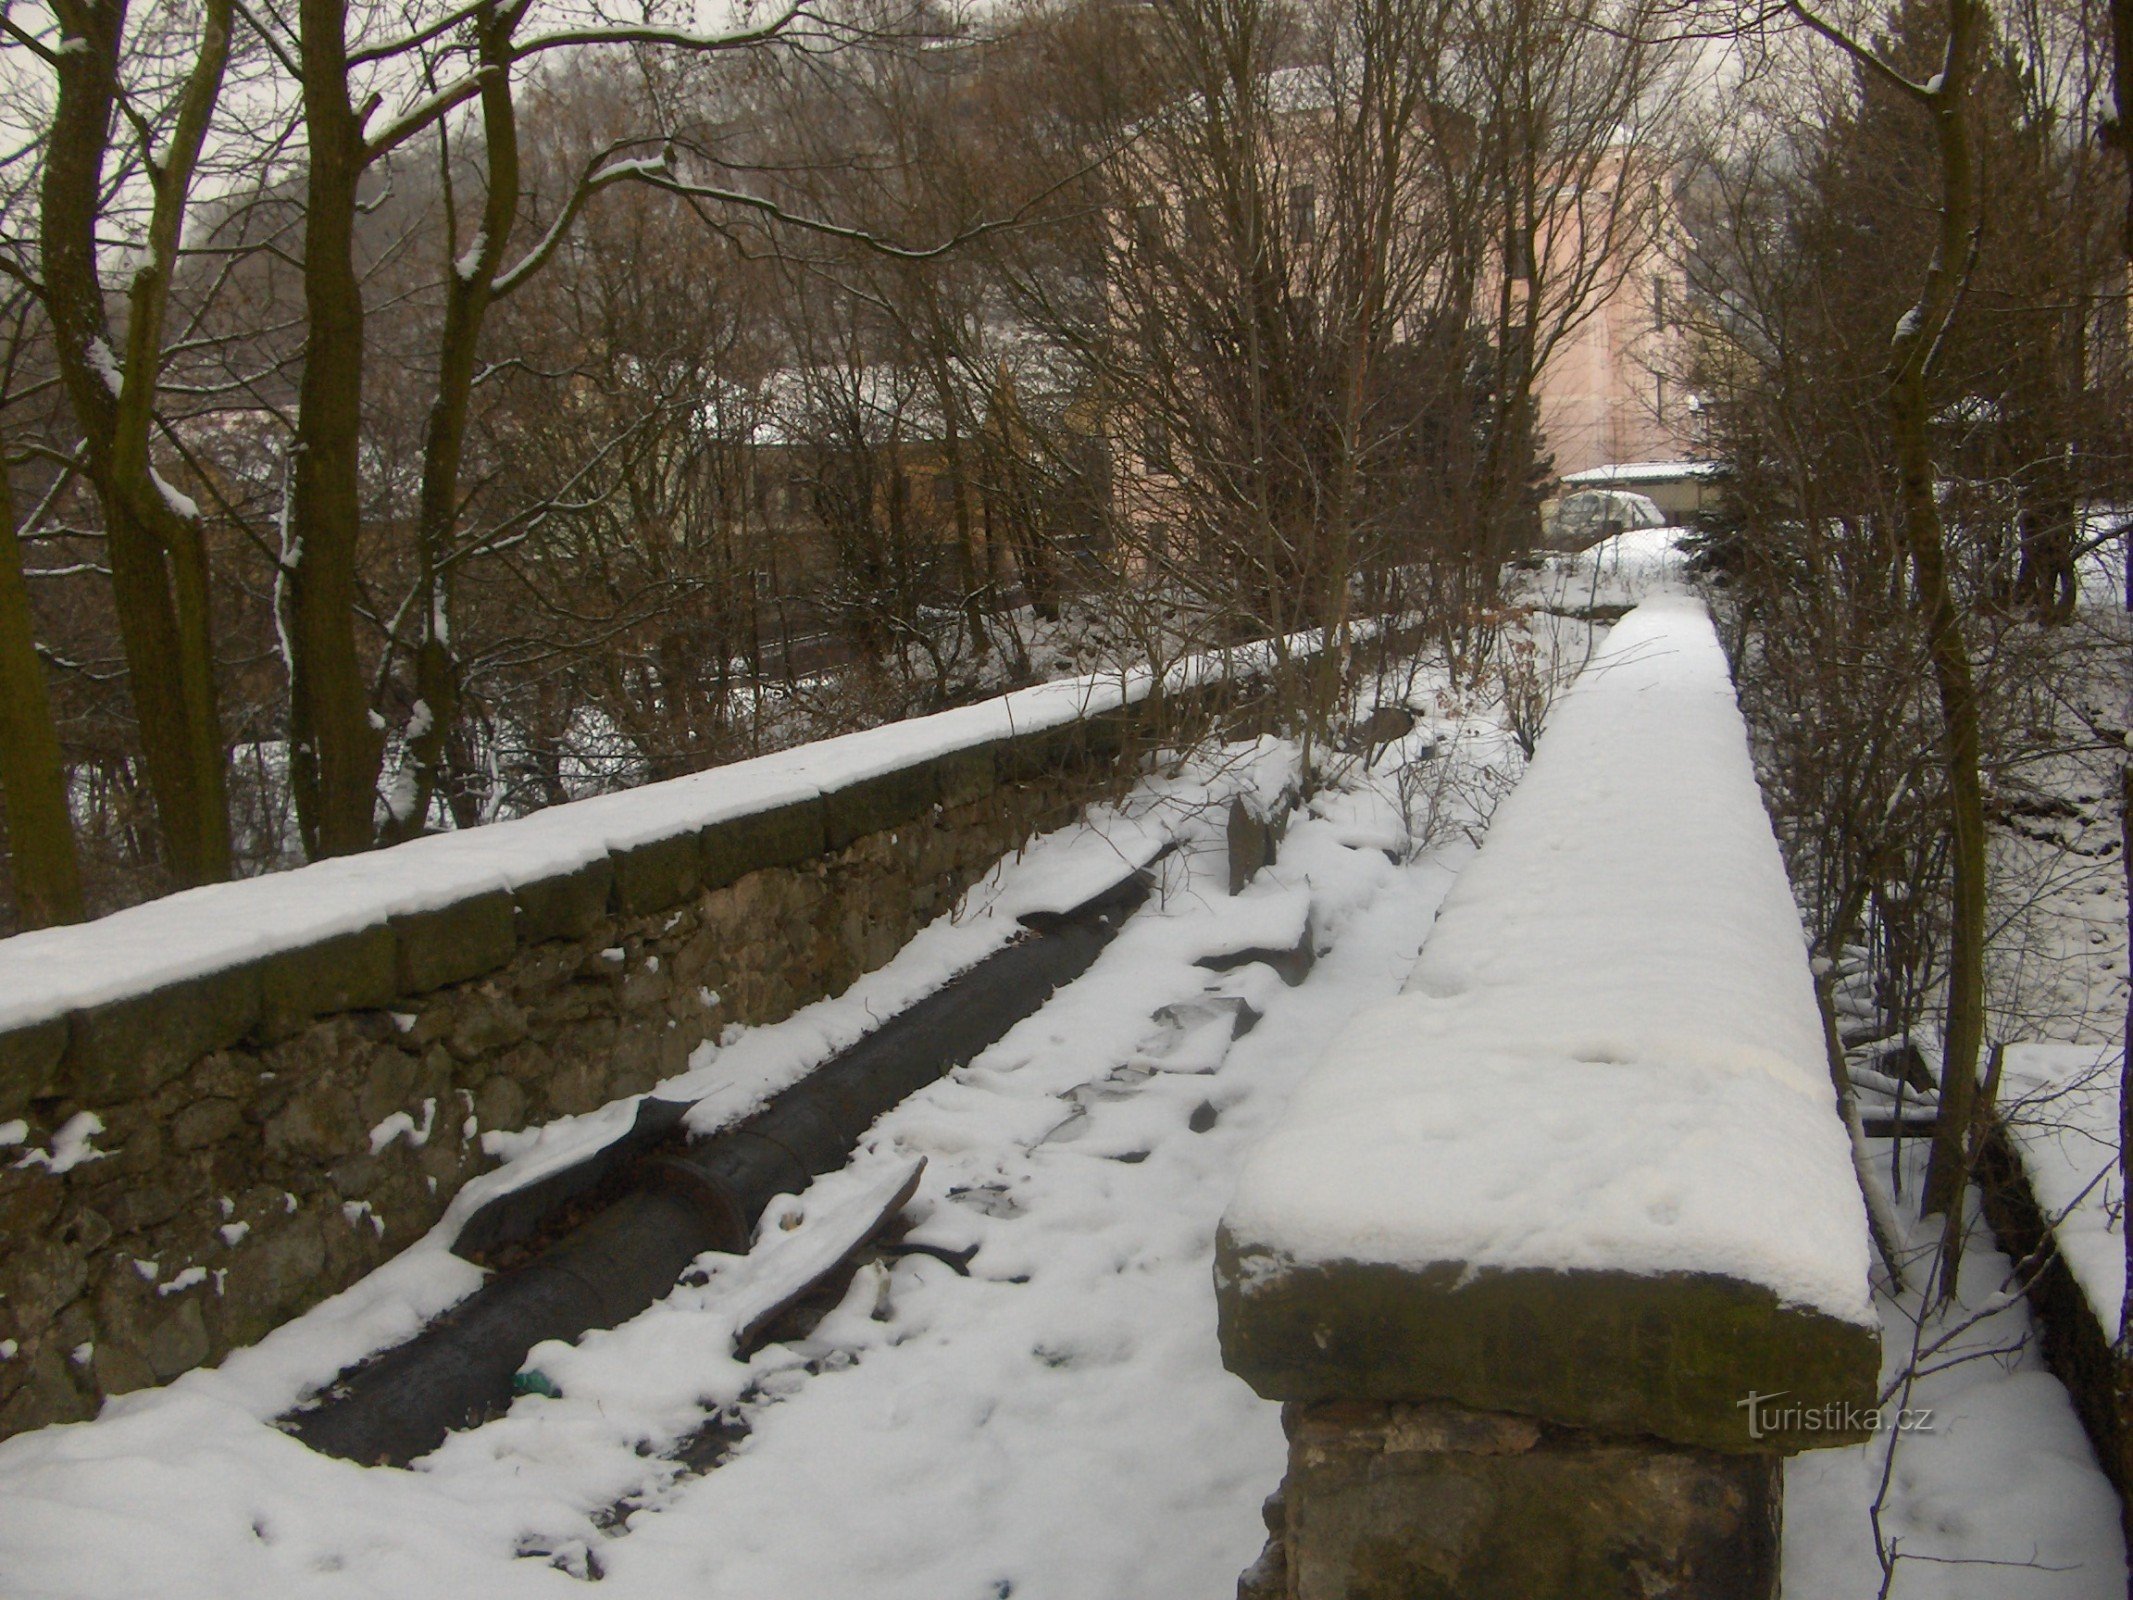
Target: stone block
480,1023
1106,734
29,1063
177,1340
565,906
782,837
123,1049
1038,754
500,1103
962,776
138,1206
316,1126
652,877
385,1084
877,804
120,1369
351,972
46,1395
1441,1503
275,1273
205,1122
1673,1355
43,1276
456,942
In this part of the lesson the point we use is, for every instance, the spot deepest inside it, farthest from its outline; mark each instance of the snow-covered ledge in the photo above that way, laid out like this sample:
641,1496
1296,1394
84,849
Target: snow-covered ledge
1582,1190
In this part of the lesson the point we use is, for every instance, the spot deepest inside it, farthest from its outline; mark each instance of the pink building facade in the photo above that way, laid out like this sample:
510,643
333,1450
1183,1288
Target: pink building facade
1610,391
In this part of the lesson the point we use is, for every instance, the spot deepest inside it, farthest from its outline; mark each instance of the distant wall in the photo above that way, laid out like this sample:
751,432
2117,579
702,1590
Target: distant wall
292,1073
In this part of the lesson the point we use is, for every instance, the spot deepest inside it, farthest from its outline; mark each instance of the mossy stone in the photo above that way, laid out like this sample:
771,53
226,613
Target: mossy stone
1674,1355
1433,1503
1038,753
652,877
783,836
125,1048
349,972
456,942
964,776
1107,733
877,804
566,905
29,1063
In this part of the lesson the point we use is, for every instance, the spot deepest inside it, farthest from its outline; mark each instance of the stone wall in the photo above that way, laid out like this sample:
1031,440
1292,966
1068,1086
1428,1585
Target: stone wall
2098,1378
272,1131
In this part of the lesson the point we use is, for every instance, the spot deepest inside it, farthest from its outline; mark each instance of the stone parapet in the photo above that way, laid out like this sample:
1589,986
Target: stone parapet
1553,1257
254,1136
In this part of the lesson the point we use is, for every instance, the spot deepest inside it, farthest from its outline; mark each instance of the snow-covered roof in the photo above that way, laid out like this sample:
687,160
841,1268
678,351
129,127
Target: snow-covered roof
1635,472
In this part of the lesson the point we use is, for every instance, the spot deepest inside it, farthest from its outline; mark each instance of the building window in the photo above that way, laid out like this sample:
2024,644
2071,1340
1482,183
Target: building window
1659,306
1155,446
1303,216
1199,226
1520,254
1147,227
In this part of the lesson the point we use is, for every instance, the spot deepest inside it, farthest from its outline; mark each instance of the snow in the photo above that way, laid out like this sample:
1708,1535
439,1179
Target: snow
1625,570
2061,1106
183,504
72,1144
1992,1491
401,1125
469,261
105,363
1608,1056
51,971
1057,1423
1629,474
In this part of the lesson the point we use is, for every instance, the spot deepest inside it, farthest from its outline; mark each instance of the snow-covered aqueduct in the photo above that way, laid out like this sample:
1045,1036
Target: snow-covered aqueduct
917,1163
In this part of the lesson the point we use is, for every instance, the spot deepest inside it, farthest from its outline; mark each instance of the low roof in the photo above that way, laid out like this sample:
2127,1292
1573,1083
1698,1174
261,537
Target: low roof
1634,472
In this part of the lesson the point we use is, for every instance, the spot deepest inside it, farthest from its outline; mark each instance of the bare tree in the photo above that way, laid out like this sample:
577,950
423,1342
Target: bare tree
157,547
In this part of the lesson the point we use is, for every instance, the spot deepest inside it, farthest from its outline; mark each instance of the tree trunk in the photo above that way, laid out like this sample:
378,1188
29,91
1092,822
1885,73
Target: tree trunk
157,550
334,750
33,778
470,287
1912,354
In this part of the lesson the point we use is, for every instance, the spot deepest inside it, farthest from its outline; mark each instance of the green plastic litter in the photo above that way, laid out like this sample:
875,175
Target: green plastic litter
535,1381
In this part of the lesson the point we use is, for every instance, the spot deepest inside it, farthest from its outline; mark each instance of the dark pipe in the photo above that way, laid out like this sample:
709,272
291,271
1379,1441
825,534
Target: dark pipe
706,1197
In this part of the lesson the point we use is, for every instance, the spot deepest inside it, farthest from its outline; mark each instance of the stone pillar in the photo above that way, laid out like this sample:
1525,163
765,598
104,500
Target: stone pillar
1392,1501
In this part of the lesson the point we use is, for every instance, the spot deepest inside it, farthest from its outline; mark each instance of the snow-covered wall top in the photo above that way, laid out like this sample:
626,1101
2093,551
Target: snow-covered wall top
456,903
1605,1077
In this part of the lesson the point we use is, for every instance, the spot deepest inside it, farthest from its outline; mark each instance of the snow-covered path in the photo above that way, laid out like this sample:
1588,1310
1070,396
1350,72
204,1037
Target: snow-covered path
1057,1423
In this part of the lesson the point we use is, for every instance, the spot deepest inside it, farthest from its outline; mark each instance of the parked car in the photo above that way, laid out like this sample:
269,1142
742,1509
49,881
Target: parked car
1581,520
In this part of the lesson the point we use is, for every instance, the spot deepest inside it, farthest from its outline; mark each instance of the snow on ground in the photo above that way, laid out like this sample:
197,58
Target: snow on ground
1610,1047
1614,574
1055,1424
1988,1490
